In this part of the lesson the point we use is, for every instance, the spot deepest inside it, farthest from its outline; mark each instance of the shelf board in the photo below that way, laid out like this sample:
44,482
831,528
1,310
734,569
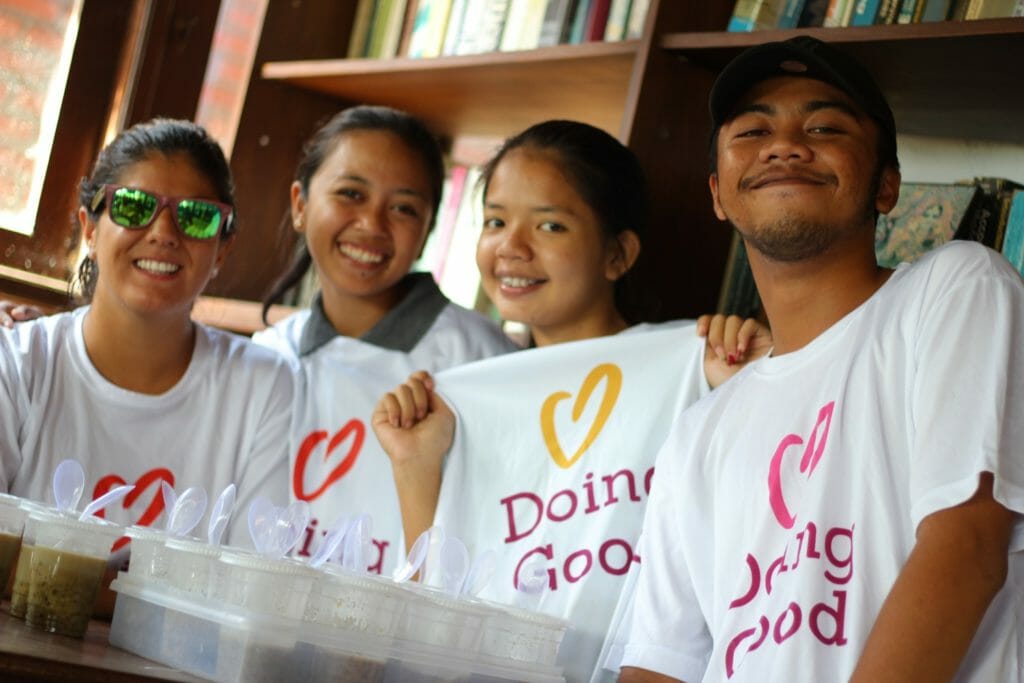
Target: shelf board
489,95
946,79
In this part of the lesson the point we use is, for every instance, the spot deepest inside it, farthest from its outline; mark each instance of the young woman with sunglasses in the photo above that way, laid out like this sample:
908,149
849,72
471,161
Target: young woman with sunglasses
128,384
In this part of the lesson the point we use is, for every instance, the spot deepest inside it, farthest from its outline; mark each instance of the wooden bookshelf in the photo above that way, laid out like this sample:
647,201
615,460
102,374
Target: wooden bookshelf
489,95
943,79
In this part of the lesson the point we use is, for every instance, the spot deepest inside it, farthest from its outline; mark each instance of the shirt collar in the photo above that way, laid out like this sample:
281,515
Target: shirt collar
399,330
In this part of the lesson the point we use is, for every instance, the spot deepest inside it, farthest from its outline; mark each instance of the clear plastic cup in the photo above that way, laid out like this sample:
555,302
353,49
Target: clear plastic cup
12,524
69,559
22,573
192,565
148,559
278,587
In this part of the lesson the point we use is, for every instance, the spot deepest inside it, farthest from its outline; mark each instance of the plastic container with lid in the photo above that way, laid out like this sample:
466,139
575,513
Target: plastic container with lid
277,587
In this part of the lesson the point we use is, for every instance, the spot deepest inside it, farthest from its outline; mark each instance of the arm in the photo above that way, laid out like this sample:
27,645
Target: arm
415,428
927,622
732,342
631,674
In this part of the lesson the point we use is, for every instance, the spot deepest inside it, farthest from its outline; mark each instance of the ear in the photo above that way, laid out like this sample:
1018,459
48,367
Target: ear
713,184
224,247
298,207
888,190
624,253
88,231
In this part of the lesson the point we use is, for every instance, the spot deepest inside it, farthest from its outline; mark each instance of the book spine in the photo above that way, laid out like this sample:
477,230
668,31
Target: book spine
579,21
618,15
836,13
865,12
360,34
597,20
557,22
638,17
910,12
1013,239
935,10
491,26
791,13
454,28
511,34
888,12
744,16
813,13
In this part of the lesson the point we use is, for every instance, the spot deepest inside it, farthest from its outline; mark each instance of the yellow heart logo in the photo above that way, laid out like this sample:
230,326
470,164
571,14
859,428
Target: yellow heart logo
606,371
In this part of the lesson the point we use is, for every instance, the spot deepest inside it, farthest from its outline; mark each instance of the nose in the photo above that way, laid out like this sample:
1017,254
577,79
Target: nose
163,229
513,243
787,144
373,217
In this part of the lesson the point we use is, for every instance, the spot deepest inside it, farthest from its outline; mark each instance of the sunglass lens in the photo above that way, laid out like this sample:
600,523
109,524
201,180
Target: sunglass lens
132,208
198,219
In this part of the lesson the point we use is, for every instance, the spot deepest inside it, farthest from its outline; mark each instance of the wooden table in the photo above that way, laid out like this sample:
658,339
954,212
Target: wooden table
30,655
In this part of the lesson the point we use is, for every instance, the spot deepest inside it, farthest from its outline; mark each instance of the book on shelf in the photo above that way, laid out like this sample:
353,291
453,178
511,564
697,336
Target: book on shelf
839,13
888,11
596,21
991,9
757,15
429,22
579,21
618,18
482,26
910,12
360,29
813,13
386,29
637,19
1013,240
460,278
454,28
936,10
523,25
990,222
865,12
557,23
927,215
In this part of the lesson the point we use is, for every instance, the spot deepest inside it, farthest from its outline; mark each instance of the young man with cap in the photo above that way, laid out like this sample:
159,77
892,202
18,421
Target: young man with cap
848,508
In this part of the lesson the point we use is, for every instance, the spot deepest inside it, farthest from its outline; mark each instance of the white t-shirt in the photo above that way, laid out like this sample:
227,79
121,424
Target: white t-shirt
787,502
552,462
336,463
225,421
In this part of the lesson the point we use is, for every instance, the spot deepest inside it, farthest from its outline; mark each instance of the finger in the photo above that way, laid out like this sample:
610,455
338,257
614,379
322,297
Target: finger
420,398
387,411
716,335
423,377
748,329
730,338
703,323
406,406
6,320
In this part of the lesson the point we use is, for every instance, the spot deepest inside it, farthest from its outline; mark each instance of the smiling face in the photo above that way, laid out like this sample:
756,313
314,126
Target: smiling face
798,170
365,216
153,270
544,259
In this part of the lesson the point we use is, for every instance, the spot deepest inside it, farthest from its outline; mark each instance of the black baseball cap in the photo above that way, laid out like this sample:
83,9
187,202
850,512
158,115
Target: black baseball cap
800,56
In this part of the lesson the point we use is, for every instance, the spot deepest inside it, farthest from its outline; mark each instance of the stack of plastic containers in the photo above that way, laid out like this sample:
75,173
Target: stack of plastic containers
237,616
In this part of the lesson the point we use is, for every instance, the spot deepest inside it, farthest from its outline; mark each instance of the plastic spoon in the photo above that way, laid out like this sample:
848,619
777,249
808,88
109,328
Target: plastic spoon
275,530
417,555
331,542
187,511
111,496
220,514
169,496
533,582
68,485
454,564
480,572
358,538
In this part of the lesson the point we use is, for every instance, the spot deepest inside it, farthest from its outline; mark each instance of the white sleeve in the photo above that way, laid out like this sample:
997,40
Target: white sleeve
14,406
263,471
668,633
968,392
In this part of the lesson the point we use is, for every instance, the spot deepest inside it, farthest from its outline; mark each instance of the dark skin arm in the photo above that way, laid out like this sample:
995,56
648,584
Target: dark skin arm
930,616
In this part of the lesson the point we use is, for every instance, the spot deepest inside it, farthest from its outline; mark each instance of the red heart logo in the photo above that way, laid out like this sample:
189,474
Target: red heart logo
155,507
354,427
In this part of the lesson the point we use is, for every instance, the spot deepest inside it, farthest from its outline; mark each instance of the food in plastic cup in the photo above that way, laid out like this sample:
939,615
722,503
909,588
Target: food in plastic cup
191,565
148,559
279,587
12,523
69,558
19,589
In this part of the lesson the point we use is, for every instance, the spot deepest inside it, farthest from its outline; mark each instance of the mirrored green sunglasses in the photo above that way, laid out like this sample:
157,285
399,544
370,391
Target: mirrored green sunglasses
135,209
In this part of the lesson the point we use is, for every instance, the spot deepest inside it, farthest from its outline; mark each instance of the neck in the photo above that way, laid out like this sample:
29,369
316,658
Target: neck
609,323
354,316
805,298
146,354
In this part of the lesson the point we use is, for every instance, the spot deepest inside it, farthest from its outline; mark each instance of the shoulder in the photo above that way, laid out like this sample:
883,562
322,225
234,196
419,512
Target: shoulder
233,353
475,328
960,260
284,335
41,335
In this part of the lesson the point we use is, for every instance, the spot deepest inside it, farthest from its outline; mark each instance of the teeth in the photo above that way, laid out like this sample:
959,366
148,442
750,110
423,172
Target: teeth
160,267
517,282
361,255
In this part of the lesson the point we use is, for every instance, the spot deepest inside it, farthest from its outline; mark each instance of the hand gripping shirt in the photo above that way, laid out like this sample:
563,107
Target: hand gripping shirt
786,503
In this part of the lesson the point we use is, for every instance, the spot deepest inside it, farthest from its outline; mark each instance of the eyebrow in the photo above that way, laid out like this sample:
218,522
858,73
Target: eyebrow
360,179
534,209
809,107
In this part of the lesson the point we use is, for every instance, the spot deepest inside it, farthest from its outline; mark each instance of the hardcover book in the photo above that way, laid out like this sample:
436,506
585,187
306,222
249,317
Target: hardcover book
1013,242
926,216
